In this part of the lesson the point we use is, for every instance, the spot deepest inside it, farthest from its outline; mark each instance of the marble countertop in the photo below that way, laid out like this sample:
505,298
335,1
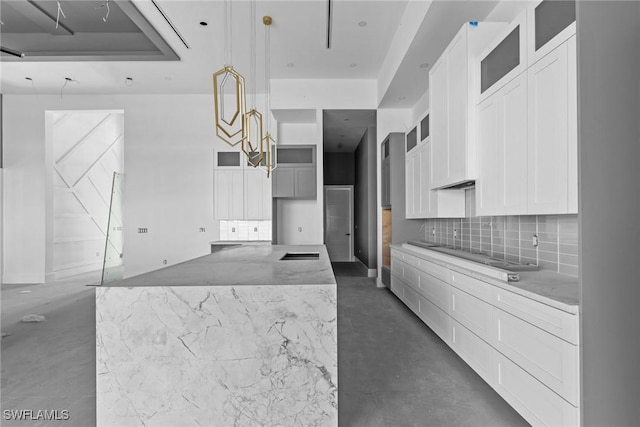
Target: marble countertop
556,290
242,265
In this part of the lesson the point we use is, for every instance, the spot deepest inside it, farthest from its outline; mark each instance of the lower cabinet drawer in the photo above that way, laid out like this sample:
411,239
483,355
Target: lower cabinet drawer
397,286
551,360
434,289
435,318
472,312
535,402
473,350
411,298
557,322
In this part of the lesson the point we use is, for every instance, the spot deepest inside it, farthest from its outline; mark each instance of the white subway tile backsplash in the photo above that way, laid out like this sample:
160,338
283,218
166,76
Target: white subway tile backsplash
511,237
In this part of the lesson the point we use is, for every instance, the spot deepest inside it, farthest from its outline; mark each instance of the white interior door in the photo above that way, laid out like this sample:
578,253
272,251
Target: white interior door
338,205
88,149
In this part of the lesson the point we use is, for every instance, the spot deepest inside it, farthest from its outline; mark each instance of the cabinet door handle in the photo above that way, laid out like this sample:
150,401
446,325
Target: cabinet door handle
347,234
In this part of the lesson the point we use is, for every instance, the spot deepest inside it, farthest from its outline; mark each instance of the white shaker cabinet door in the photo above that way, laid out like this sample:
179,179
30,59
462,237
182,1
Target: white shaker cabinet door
548,133
229,194
439,122
502,151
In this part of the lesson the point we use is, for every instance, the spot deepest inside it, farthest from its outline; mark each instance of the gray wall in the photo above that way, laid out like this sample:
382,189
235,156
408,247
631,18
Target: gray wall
609,140
365,200
339,169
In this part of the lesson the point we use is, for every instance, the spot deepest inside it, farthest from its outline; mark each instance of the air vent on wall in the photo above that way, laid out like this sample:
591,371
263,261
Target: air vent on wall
173,27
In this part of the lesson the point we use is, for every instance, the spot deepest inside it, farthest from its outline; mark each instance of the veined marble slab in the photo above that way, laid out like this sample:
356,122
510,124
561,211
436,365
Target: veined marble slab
217,356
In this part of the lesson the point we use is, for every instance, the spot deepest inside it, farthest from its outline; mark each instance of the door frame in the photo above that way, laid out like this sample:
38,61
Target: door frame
351,216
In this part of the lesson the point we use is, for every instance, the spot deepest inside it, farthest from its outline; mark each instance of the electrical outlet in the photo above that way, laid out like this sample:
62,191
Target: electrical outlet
300,229
202,229
433,231
164,261
455,233
534,240
143,230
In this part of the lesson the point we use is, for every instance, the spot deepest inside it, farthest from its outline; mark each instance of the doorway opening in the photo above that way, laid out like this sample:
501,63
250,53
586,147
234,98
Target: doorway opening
86,164
349,141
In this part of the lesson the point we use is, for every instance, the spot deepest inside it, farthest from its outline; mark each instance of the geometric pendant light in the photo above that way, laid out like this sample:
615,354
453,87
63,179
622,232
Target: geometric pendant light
229,93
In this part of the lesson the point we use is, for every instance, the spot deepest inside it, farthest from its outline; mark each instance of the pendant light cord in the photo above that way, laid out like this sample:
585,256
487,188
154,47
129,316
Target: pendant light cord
228,49
267,76
252,53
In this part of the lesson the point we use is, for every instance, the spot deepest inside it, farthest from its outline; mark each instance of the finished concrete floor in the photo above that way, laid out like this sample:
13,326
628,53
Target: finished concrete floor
392,369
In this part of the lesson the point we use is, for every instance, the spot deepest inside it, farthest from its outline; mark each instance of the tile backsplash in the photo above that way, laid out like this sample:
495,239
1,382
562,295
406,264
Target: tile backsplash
512,238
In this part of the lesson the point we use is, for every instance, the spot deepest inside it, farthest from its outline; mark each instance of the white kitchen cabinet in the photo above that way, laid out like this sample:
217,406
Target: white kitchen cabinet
421,200
503,59
409,184
453,86
241,192
550,359
525,349
549,24
537,404
501,186
257,195
229,194
552,132
473,350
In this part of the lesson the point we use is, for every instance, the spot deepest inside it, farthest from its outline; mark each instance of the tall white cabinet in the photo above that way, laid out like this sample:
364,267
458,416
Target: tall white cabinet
241,192
552,128
452,80
421,201
527,123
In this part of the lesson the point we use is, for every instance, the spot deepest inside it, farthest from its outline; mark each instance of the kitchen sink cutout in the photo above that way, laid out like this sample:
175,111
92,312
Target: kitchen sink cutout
301,256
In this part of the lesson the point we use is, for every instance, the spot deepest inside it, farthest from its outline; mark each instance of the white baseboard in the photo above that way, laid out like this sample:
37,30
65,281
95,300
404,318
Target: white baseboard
68,272
14,279
371,272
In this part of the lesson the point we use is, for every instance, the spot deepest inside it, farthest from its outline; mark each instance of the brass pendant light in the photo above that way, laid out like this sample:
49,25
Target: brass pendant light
229,119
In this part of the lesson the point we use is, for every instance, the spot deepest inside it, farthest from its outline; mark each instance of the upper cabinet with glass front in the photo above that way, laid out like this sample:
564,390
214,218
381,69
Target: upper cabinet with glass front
550,23
504,58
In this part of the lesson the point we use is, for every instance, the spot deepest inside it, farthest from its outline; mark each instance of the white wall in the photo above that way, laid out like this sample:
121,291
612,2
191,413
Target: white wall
323,94
304,215
168,184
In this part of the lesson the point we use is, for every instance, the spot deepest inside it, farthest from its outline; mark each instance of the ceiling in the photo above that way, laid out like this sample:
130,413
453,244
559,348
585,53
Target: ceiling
342,130
80,30
298,43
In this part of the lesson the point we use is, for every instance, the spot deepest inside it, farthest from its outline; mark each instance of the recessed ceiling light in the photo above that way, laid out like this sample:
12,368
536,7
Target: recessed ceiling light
353,65
203,23
291,65
362,24
424,65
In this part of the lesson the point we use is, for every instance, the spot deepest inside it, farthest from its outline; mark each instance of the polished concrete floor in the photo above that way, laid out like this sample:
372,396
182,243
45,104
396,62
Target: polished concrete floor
392,370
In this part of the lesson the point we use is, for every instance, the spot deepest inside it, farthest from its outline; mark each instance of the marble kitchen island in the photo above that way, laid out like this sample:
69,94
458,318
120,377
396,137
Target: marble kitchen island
238,337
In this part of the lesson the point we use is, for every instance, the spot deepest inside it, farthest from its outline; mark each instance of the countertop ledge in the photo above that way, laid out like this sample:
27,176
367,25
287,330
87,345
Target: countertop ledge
553,289
242,265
